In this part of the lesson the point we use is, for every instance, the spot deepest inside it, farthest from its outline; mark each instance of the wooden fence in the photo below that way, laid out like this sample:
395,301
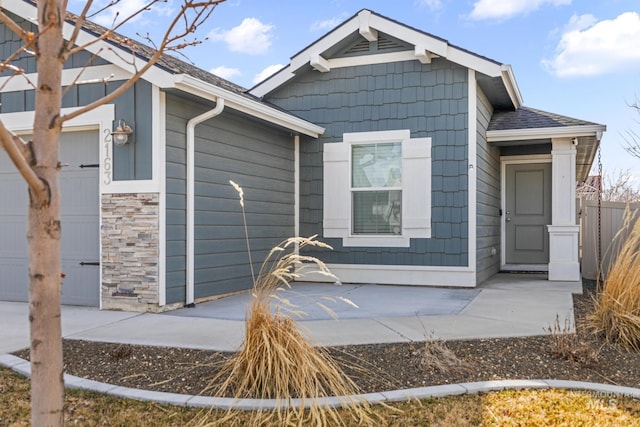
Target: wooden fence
611,221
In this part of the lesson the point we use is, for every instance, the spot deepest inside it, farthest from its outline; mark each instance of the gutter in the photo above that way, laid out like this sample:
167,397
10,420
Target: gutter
191,144
544,133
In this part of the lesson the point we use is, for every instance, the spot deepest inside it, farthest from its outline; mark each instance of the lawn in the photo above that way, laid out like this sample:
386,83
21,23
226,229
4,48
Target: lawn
523,407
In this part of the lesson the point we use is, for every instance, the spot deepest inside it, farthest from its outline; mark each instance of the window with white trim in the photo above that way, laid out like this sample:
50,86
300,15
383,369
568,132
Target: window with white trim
377,189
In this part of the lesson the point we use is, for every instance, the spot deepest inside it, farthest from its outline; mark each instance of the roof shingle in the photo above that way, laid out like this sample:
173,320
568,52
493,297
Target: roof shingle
531,118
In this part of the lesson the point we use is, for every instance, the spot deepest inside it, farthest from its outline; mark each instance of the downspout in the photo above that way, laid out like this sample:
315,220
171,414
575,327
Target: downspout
191,144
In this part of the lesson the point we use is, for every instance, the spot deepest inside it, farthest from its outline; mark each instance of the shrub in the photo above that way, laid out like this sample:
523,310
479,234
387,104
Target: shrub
571,346
616,311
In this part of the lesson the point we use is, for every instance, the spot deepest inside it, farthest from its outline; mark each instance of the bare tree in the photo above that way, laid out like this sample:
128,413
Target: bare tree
632,139
616,187
38,163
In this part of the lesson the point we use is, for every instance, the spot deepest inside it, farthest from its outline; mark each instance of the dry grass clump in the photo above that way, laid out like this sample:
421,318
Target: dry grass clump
571,346
616,311
276,361
435,354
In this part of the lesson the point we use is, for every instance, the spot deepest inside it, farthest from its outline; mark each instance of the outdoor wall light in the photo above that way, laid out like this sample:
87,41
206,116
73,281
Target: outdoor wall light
122,132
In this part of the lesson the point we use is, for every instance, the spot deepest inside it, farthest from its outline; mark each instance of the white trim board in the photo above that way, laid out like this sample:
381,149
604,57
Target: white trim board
159,169
472,175
398,275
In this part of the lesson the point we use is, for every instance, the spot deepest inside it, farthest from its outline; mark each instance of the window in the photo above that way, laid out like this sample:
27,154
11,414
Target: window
377,189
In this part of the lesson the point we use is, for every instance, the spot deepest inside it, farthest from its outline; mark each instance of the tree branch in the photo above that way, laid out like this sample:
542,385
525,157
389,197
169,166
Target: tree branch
17,29
107,34
21,157
151,61
79,23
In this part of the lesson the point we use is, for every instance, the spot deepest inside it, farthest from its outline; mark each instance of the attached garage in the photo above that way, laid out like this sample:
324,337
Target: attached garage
80,223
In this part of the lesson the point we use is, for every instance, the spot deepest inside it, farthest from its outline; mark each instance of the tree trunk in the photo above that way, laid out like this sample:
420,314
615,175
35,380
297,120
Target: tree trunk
43,234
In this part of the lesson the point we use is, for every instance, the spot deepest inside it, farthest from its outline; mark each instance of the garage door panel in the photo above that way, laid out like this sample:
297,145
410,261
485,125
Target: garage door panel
14,238
79,284
78,239
80,223
18,289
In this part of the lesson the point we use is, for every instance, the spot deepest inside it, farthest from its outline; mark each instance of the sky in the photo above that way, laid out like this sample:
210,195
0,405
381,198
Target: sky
579,58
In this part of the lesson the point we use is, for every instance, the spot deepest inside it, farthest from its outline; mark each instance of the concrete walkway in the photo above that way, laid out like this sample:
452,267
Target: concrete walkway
507,305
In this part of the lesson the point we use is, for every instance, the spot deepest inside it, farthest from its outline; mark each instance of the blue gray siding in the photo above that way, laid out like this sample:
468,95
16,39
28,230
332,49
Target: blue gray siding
228,147
428,99
130,162
488,196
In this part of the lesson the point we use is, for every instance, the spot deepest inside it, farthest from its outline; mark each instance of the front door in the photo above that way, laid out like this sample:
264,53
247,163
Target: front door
527,213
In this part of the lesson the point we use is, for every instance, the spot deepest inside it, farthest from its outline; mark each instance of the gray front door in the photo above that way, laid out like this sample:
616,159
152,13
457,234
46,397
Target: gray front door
80,223
528,212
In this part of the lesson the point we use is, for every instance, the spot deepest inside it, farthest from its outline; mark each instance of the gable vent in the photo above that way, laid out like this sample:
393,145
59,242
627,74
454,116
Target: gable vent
361,47
386,43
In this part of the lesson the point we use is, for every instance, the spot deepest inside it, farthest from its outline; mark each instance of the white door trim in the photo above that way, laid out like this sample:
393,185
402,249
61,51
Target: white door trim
513,160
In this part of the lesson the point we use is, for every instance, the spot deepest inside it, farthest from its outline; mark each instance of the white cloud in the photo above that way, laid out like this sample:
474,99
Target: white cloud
505,9
433,5
329,24
251,37
124,9
226,72
589,48
271,69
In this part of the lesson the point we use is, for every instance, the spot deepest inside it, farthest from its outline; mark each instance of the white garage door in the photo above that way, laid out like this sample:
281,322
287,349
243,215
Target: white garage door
80,223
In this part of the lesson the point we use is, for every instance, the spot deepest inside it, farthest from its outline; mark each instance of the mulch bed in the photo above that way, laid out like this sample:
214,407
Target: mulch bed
376,367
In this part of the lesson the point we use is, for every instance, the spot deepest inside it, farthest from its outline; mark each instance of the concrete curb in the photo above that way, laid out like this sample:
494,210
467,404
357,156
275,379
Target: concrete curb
23,367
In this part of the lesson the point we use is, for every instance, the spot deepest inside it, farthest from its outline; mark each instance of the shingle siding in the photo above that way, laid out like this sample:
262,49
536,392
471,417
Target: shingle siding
488,196
228,147
428,99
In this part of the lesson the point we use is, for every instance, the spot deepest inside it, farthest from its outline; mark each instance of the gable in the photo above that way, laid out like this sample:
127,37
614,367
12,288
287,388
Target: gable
369,38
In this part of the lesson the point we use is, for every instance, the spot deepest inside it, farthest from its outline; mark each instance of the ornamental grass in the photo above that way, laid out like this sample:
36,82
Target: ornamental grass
616,312
276,361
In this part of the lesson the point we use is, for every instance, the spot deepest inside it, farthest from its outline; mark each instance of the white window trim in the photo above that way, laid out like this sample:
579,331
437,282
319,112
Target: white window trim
338,218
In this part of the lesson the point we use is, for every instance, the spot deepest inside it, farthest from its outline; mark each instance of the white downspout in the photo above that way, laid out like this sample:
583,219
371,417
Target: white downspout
191,144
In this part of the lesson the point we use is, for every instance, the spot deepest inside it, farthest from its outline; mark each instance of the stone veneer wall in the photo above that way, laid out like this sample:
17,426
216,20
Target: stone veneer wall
130,250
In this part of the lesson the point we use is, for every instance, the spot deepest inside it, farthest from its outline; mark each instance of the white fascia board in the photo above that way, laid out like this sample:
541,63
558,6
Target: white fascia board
273,82
302,58
402,32
89,75
510,83
436,46
256,109
544,133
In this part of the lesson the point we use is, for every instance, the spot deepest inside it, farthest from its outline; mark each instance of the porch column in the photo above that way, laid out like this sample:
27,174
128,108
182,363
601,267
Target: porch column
564,263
